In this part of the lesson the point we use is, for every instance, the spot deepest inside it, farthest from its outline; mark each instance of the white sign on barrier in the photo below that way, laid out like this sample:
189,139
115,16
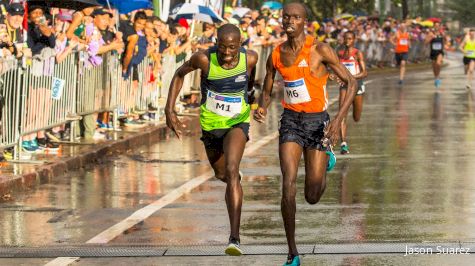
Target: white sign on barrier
57,89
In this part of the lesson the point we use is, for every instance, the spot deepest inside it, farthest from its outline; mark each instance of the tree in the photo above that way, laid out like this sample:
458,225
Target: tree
463,11
405,9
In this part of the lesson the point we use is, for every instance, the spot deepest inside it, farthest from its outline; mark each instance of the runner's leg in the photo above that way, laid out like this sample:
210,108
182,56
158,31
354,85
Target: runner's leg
402,70
357,107
234,144
315,173
289,154
343,122
216,159
471,68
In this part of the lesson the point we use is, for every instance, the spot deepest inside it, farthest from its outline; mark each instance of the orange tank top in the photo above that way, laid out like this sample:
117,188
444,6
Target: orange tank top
303,92
402,42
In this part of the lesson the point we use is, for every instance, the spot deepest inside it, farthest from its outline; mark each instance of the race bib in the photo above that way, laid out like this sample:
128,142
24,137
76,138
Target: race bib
223,105
437,46
351,66
470,53
403,42
296,92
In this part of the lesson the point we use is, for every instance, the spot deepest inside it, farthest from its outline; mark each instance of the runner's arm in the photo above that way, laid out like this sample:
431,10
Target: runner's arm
179,77
197,60
363,73
462,45
265,98
252,58
330,58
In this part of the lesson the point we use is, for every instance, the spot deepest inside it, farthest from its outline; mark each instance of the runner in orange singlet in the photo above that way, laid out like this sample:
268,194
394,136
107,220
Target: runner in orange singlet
305,125
353,60
401,42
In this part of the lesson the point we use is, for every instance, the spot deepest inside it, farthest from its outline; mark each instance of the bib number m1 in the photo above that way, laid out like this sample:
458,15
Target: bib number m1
226,106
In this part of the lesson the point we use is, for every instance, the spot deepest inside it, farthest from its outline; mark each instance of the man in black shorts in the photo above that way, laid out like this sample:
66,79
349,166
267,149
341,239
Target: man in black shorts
227,72
436,40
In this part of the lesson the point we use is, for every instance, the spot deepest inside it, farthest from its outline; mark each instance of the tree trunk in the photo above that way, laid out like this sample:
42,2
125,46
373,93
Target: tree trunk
405,9
334,7
420,7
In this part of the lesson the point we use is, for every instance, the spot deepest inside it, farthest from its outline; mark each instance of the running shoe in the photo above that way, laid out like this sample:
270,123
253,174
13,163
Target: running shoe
8,154
400,82
331,161
233,248
45,145
53,136
34,144
344,148
27,147
292,260
437,83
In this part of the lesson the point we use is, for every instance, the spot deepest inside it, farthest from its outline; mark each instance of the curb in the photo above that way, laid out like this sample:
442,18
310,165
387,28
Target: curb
45,173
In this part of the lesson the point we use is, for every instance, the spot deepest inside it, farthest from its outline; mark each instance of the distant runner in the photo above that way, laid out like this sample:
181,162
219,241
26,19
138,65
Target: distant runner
436,40
353,60
402,43
468,48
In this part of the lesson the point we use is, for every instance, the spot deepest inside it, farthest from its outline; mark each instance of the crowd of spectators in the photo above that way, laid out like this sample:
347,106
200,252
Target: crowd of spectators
38,32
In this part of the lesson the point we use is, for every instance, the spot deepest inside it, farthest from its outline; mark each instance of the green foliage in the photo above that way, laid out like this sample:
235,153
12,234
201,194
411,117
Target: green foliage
464,10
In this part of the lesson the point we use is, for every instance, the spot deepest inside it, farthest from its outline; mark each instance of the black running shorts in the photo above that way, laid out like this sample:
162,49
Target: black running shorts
214,139
305,129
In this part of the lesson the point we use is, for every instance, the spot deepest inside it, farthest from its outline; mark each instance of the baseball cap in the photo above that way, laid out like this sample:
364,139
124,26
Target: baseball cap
183,23
100,11
16,9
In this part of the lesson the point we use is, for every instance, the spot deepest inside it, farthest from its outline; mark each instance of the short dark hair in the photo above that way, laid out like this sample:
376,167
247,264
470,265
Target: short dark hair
307,10
261,17
173,28
140,15
229,29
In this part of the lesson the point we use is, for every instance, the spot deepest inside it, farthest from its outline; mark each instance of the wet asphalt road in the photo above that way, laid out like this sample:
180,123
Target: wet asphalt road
410,177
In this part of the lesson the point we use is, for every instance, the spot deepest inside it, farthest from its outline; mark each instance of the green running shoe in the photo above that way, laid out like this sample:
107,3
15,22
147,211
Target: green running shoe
331,161
344,148
295,261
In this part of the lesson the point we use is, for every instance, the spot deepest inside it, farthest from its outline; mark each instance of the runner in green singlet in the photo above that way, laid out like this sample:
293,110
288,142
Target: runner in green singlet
468,48
227,81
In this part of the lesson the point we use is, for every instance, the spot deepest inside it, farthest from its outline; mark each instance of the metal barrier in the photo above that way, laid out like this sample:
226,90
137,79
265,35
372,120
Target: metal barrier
382,52
48,94
95,85
147,90
263,52
9,102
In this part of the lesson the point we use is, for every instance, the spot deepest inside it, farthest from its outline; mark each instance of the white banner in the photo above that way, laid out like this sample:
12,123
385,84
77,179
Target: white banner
57,88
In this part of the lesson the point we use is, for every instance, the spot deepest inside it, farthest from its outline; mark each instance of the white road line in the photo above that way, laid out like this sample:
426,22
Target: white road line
142,214
61,261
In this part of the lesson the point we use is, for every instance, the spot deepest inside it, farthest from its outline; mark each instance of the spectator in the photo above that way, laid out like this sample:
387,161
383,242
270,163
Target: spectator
136,45
40,34
13,22
77,29
208,38
110,41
